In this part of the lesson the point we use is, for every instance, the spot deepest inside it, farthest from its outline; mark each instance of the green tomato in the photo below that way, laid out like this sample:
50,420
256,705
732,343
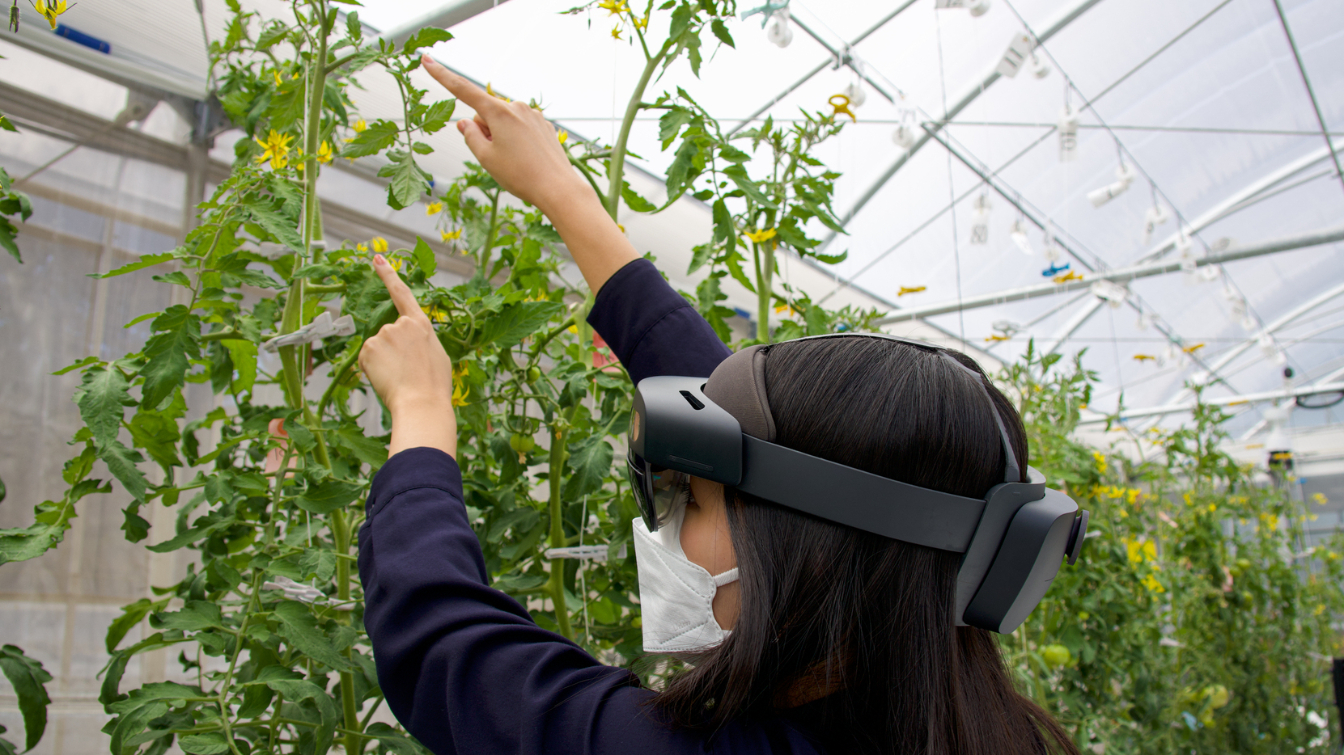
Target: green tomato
533,375
1217,695
522,443
1056,656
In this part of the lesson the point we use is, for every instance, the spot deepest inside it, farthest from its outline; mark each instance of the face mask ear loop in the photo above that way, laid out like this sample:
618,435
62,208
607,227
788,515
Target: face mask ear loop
1011,471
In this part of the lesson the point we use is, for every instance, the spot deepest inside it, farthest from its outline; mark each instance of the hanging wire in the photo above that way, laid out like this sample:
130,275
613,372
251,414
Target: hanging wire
951,190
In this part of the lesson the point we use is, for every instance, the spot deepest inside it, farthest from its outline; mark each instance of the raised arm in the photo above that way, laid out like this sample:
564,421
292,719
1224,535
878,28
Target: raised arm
649,327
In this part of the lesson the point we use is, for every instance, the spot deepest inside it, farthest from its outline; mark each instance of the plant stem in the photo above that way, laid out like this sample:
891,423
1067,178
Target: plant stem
557,585
340,532
616,169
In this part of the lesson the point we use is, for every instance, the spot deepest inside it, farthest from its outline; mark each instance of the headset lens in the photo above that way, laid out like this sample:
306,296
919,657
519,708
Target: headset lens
659,491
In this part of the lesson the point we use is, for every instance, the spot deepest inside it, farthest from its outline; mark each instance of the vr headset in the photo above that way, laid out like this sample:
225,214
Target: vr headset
1012,541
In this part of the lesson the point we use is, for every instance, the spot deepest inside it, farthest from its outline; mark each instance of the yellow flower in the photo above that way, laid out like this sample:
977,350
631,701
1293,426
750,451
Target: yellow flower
324,153
1100,458
434,208
616,32
613,7
452,235
361,247
1212,508
1150,550
563,136
1133,495
490,91
434,313
1152,584
1320,609
759,236
395,262
50,9
278,81
460,393
379,244
1188,502
1319,499
642,23
276,149
1135,550
360,126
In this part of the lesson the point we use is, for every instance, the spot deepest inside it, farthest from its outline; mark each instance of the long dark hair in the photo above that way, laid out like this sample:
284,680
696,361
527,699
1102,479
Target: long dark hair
857,627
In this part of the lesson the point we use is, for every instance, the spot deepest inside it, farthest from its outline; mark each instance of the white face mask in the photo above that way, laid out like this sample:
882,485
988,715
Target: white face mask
676,596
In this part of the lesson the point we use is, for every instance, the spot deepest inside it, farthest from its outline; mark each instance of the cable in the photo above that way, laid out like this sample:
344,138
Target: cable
951,191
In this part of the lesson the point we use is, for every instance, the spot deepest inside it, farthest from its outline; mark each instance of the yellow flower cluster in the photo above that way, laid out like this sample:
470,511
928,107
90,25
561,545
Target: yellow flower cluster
1145,551
451,235
1100,459
760,236
460,388
50,10
434,208
275,149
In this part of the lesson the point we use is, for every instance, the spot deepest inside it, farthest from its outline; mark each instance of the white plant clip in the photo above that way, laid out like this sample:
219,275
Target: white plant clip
780,33
587,552
1018,233
321,327
980,225
295,590
1050,251
1068,134
856,94
907,132
1124,175
1156,216
1039,68
1019,49
1110,292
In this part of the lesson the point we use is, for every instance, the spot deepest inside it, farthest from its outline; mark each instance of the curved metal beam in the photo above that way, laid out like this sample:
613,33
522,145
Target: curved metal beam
1063,20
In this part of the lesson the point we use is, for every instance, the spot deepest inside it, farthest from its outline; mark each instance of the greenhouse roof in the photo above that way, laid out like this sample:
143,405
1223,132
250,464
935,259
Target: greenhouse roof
1205,112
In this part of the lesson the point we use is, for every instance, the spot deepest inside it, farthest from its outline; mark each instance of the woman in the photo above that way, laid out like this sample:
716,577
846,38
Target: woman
832,640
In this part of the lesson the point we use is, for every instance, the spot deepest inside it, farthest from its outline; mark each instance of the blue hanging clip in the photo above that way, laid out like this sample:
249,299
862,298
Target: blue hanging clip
770,8
1054,270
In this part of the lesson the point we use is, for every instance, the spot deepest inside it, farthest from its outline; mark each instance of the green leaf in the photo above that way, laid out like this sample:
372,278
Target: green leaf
212,743
671,123
738,175
328,496
517,322
438,116
53,519
426,37
298,691
130,616
634,201
6,125
377,137
299,628
8,232
244,356
408,184
424,257
590,464
102,398
148,260
195,616
287,106
28,678
121,462
721,31
392,740
318,563
367,450
278,226
177,338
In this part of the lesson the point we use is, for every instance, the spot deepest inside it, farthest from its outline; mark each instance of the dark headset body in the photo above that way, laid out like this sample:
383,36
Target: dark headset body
1012,541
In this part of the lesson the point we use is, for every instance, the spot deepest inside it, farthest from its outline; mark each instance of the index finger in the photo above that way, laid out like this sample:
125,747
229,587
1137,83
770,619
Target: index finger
402,297
475,97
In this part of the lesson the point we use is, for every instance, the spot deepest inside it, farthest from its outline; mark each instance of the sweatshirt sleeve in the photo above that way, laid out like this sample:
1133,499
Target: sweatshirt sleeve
651,328
462,665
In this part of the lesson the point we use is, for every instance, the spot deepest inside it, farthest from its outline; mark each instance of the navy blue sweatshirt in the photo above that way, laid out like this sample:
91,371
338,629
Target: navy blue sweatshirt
463,666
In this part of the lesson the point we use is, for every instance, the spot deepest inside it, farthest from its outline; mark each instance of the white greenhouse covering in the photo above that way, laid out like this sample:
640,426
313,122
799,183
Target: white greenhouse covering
1218,122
